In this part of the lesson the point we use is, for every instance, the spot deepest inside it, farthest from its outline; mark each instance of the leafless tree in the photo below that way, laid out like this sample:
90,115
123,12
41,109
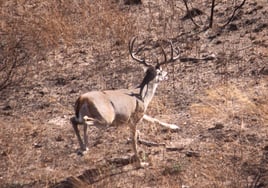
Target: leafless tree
211,17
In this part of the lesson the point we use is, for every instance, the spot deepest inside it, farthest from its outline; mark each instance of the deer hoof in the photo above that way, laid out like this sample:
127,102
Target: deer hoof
82,152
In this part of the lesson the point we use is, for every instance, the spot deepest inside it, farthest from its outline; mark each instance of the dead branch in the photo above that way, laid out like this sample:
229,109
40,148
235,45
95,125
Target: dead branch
189,13
234,12
149,143
211,13
194,60
211,18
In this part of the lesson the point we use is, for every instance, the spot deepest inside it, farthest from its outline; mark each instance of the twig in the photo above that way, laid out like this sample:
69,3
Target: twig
211,13
231,18
207,58
189,13
149,143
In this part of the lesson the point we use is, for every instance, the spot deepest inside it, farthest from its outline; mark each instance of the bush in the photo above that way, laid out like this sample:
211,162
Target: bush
29,29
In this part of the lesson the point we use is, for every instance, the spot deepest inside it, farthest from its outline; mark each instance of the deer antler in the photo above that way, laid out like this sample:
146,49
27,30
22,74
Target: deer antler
133,54
172,58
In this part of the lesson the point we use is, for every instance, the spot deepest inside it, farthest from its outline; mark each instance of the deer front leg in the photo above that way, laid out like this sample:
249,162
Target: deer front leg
134,133
134,136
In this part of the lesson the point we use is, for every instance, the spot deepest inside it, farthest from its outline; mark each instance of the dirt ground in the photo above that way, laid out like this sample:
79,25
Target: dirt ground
221,105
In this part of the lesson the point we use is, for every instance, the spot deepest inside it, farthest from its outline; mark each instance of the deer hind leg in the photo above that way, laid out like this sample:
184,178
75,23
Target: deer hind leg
75,123
87,122
85,137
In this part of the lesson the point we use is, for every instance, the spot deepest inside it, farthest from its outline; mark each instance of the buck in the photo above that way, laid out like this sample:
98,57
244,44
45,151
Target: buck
123,106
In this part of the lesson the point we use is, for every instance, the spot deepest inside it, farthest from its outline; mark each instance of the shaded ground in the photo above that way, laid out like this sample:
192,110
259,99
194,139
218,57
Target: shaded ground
221,105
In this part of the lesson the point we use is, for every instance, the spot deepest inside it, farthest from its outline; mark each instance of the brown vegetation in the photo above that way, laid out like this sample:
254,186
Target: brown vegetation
53,51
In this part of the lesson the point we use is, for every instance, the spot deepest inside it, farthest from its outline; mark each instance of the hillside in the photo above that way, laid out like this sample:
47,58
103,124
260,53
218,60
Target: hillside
54,51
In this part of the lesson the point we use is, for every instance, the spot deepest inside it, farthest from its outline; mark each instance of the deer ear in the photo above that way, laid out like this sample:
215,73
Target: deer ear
148,68
145,68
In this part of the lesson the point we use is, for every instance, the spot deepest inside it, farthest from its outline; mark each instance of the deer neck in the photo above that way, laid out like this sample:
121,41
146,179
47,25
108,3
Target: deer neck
147,93
148,86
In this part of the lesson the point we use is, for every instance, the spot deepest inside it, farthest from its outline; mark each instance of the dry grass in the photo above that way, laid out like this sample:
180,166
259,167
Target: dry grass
65,48
227,101
235,116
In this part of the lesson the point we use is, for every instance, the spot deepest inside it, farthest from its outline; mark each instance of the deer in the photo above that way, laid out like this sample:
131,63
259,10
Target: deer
123,106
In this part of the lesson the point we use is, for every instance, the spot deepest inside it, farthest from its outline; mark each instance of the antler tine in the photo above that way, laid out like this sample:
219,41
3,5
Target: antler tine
172,58
165,56
172,49
133,55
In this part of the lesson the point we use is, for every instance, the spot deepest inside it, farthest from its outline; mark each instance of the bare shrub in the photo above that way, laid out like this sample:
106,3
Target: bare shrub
27,33
13,59
29,29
